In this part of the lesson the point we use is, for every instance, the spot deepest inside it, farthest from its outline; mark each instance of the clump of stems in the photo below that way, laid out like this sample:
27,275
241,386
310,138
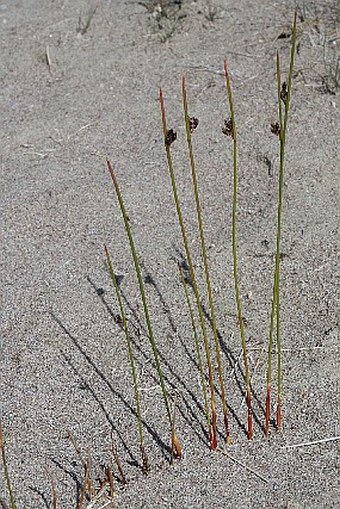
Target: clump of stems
145,463
4,462
169,137
233,134
175,446
284,96
189,123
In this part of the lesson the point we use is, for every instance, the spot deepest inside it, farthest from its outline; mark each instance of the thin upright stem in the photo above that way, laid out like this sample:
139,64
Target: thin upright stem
213,418
145,463
282,159
274,305
142,291
205,258
284,96
198,349
235,269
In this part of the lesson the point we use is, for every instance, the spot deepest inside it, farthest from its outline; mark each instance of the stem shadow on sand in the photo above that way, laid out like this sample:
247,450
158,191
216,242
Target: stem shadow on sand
170,380
164,447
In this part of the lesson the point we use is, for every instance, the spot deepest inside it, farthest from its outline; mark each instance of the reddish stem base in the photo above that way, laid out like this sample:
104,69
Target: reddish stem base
213,439
279,414
176,447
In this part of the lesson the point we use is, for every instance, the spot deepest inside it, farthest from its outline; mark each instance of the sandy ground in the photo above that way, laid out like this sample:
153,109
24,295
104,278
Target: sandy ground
72,95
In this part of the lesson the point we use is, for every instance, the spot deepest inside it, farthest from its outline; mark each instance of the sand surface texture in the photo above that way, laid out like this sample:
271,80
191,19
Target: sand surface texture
79,83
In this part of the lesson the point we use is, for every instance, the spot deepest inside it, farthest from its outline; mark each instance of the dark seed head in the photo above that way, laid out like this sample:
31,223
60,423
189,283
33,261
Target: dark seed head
275,128
284,35
170,137
228,128
119,320
284,92
193,121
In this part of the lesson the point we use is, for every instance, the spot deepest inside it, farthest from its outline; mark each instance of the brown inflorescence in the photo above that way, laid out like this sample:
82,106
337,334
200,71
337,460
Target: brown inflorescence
284,92
228,128
193,123
170,137
275,128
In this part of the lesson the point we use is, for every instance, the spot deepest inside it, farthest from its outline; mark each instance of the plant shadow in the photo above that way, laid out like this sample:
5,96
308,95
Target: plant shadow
238,374
152,432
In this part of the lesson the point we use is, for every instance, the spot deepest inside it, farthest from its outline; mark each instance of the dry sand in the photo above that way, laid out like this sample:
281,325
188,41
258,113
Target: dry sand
63,361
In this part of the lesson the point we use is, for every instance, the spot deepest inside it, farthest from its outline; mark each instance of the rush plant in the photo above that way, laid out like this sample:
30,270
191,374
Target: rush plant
230,130
145,462
175,443
190,123
212,348
169,137
279,128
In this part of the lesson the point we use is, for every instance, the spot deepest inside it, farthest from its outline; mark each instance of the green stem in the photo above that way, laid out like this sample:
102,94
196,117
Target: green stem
198,349
213,438
142,291
283,122
235,270
205,258
145,462
274,305
282,159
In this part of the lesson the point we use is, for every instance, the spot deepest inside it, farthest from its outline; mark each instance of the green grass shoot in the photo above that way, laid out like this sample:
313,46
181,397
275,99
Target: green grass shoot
169,137
190,125
145,463
233,134
4,462
284,96
151,336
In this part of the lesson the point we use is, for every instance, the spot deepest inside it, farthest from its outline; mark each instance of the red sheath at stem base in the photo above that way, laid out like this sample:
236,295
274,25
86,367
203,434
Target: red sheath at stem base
278,414
213,440
176,447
